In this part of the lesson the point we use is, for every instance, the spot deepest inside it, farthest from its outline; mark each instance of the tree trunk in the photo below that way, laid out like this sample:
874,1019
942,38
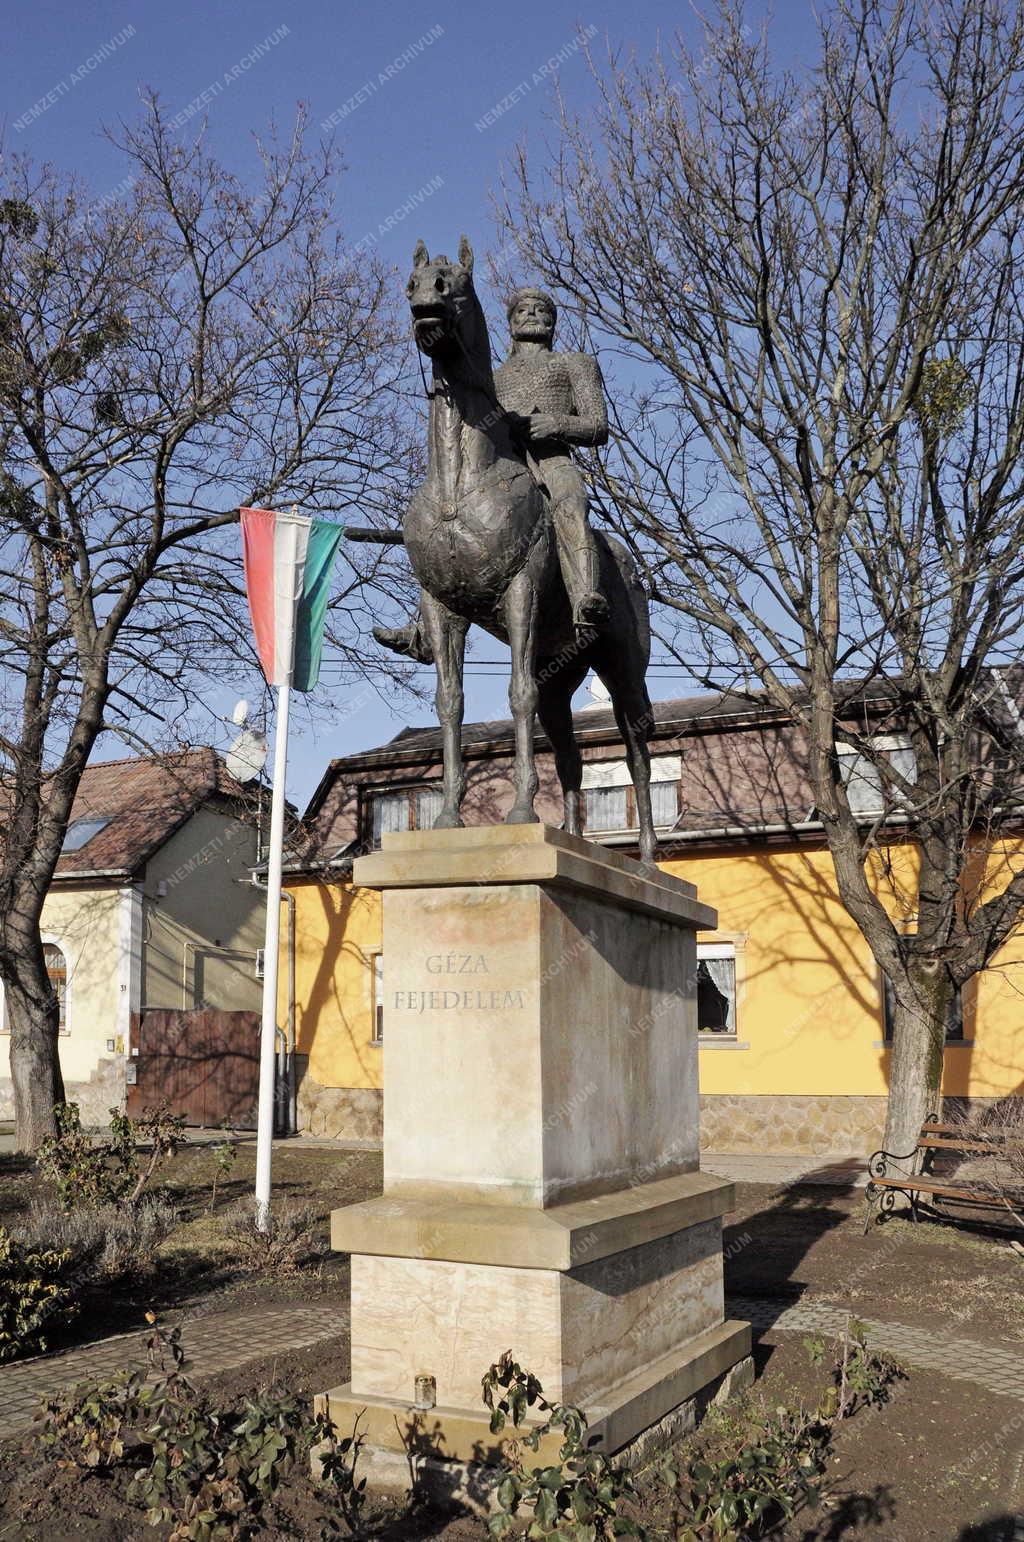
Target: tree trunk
919,1035
33,1016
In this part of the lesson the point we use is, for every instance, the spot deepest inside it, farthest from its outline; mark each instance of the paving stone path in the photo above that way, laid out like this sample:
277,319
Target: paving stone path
937,1349
212,1343
227,1340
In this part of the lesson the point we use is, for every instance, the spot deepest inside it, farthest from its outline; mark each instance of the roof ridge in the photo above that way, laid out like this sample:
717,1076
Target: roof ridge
148,760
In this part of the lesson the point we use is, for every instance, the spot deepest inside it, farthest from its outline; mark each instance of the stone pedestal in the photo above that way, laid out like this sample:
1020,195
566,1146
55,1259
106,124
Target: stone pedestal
542,1190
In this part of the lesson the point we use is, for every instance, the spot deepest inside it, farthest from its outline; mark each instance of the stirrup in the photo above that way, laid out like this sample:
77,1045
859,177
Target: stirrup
591,610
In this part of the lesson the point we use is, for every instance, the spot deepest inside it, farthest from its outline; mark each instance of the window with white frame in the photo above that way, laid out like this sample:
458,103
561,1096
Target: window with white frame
403,808
716,988
376,998
610,801
862,775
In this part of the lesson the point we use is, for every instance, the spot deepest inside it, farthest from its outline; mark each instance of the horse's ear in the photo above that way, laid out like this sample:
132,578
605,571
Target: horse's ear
420,256
466,254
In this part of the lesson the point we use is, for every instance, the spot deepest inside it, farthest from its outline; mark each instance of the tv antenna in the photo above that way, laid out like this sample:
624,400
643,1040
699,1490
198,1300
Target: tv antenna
248,754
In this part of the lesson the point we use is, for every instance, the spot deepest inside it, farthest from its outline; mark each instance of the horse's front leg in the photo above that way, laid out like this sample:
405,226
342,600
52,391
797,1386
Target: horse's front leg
447,633
520,612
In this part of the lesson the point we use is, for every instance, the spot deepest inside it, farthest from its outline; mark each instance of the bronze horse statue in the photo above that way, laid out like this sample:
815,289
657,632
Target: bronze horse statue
479,537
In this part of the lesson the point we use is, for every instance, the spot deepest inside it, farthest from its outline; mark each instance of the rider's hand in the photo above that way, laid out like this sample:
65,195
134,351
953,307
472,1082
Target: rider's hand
543,425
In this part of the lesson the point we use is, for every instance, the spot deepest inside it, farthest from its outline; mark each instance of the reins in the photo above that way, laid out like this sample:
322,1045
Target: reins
488,391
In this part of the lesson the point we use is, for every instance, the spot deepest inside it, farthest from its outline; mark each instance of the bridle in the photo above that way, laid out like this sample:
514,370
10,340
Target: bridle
485,386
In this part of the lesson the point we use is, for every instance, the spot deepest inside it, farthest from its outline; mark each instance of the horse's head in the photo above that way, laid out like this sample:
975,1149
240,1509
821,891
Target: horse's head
442,299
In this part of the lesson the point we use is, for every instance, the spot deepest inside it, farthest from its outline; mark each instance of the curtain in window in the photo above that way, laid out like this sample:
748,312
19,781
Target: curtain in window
716,995
390,812
863,784
606,808
428,806
665,802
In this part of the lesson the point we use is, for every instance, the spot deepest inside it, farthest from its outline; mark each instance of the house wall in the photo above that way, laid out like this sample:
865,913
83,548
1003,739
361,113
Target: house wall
337,929
808,1072
200,937
88,925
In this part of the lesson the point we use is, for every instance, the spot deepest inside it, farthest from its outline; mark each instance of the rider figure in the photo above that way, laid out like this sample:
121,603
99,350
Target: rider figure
557,401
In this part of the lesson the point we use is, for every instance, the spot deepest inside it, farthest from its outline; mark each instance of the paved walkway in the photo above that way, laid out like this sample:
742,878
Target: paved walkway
212,1343
936,1349
839,1171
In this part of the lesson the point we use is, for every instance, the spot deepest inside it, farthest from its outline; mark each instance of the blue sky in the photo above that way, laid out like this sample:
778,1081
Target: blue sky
424,99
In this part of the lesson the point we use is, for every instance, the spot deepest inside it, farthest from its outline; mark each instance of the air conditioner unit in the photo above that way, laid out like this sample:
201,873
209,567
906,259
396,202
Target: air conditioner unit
259,963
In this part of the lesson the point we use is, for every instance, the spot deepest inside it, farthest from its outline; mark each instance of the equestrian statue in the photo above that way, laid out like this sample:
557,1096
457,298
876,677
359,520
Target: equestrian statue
498,535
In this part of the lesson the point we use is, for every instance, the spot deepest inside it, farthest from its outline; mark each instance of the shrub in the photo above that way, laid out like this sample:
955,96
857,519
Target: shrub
753,1489
86,1425
204,1471
338,1460
108,1242
211,1470
581,1495
1002,1172
35,1287
86,1173
860,1378
295,1236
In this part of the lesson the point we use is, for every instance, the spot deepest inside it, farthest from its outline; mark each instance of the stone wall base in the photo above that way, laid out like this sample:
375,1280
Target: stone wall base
337,1113
104,1090
802,1125
809,1125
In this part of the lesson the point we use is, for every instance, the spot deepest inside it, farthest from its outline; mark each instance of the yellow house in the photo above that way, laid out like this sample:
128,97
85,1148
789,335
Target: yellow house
152,906
793,1052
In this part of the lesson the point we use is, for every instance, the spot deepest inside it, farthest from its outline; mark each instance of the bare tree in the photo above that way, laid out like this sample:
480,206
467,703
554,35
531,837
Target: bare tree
165,356
815,280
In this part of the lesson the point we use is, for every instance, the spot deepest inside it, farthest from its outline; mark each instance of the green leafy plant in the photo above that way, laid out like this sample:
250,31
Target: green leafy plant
946,390
754,1488
35,1287
211,1470
89,1173
88,1425
338,1459
861,1379
295,1236
580,1496
204,1471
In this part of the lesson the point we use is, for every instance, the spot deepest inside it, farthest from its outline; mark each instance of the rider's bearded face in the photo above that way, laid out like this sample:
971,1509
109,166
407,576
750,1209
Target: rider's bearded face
532,322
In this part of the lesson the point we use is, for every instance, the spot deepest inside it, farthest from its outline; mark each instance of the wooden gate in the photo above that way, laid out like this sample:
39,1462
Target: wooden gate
205,1063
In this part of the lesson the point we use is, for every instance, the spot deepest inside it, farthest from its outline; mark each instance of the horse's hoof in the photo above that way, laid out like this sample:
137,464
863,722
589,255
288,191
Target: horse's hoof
447,822
521,816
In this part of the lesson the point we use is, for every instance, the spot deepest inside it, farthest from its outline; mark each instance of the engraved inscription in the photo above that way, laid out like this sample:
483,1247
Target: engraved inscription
463,999
450,1001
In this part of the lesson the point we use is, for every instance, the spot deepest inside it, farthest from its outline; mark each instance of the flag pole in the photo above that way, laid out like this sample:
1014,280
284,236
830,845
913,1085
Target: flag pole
268,1030
288,562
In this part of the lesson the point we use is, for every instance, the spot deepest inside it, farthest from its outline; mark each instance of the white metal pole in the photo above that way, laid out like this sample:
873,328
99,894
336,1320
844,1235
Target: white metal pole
268,1031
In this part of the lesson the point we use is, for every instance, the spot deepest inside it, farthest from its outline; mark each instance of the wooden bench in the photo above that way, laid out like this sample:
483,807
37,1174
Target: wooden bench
889,1174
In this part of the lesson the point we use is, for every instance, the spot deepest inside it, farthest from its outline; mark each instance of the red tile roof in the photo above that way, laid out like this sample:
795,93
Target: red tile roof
146,800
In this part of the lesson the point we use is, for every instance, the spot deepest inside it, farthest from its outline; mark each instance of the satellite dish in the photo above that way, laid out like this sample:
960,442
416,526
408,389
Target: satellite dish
247,756
241,712
598,691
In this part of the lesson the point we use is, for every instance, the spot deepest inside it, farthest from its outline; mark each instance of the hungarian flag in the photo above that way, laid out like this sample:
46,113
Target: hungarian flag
288,564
